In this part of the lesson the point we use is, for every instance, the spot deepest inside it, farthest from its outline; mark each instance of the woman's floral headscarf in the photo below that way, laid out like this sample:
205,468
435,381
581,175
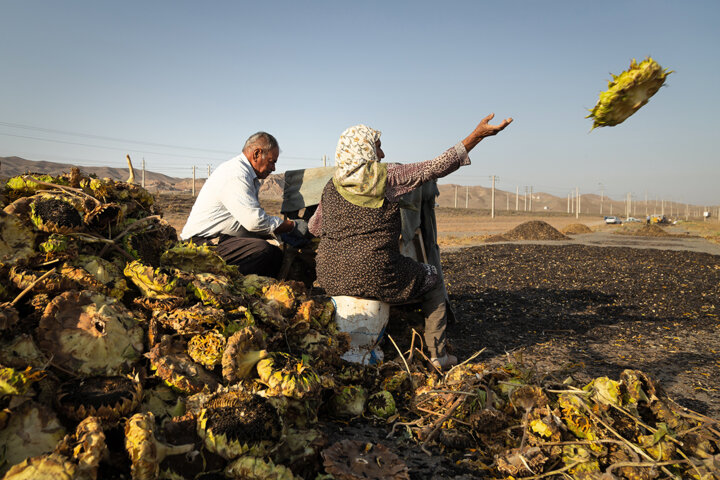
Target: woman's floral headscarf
360,177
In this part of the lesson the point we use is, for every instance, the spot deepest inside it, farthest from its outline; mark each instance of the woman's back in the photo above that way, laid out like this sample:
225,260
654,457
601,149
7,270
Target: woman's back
359,254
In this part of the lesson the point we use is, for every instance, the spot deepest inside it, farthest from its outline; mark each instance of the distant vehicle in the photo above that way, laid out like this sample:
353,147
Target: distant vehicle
613,220
659,219
631,219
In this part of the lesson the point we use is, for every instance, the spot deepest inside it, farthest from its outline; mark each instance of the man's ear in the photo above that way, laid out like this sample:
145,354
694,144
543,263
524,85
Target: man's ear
257,153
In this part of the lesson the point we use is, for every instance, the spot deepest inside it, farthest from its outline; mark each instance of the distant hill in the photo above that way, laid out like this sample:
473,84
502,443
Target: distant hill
154,182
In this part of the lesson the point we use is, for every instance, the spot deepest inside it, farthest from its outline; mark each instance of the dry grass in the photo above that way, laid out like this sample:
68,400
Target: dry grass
709,230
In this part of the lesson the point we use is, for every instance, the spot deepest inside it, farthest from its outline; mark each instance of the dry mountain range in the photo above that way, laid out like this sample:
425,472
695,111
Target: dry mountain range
476,197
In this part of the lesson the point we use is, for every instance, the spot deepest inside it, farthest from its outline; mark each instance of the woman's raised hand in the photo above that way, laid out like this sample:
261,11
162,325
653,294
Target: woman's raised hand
484,129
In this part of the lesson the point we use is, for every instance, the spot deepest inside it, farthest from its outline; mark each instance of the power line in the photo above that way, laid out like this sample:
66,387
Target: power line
117,139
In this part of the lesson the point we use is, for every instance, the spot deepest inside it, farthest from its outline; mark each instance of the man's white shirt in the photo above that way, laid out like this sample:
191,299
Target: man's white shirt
229,201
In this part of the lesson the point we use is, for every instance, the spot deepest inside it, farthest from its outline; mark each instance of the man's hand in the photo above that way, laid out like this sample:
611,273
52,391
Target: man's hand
484,129
299,236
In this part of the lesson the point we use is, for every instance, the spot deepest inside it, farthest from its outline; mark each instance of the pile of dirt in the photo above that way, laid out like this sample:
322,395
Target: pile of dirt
576,229
532,230
645,231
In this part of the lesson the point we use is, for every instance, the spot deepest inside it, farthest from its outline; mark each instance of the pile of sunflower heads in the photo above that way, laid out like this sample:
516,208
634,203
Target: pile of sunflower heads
128,354
501,423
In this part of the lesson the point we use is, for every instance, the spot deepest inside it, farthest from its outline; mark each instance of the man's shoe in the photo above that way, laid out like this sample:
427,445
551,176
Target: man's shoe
444,362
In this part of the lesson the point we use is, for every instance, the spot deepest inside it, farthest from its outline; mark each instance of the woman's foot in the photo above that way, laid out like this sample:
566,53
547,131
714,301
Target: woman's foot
444,362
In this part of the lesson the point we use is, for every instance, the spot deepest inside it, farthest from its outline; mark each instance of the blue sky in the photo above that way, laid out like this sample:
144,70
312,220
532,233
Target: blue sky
183,83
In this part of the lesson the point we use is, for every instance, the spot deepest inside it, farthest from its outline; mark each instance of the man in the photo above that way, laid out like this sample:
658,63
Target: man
227,212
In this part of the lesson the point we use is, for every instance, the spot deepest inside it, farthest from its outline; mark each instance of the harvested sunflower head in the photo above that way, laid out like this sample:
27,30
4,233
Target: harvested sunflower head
16,382
348,401
381,404
21,351
32,429
191,258
105,218
244,349
9,317
281,294
144,450
95,273
207,348
27,185
86,447
16,240
149,240
214,290
49,283
179,371
57,213
162,401
285,375
90,333
106,398
191,320
155,282
628,92
43,467
249,426
255,468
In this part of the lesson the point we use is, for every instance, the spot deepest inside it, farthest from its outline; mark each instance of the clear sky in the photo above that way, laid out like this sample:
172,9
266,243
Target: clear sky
183,83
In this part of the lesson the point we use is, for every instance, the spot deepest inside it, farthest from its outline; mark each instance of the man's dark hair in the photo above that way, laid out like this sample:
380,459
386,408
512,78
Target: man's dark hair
263,140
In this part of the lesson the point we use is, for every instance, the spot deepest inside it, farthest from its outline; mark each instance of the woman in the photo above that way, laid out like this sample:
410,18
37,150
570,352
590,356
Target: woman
358,222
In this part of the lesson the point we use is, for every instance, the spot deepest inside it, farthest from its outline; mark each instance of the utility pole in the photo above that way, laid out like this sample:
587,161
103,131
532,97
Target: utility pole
193,182
517,198
143,172
662,207
531,198
456,196
525,205
646,205
492,198
568,203
572,202
602,197
208,171
467,195
508,201
324,160
577,196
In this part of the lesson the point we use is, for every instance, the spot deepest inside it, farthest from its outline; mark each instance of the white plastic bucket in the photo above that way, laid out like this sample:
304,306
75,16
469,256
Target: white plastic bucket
364,320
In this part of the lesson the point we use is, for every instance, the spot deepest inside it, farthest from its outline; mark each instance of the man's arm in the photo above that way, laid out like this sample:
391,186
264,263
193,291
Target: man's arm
241,201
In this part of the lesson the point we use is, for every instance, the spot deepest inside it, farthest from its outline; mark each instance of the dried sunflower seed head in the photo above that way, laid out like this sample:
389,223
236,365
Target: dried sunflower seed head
382,404
255,468
207,348
32,429
628,92
244,349
16,240
191,258
144,450
90,333
43,467
107,398
250,425
155,283
285,375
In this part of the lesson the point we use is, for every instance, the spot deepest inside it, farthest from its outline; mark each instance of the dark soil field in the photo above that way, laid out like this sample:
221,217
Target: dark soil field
582,311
